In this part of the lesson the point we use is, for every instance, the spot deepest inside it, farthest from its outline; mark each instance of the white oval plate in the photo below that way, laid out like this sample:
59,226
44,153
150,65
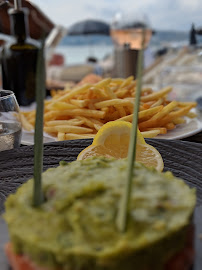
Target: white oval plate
191,127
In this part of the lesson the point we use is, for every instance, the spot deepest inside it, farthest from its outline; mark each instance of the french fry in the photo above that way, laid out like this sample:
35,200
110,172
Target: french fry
53,92
51,115
142,114
62,106
97,127
150,112
61,136
150,133
121,110
32,121
118,81
73,129
170,126
71,136
105,109
167,119
146,105
188,103
26,113
176,114
67,129
113,102
50,129
127,81
165,110
128,118
156,95
74,122
157,103
114,88
88,122
110,93
79,103
111,109
96,121
191,115
79,112
74,92
103,83
161,130
98,92
74,112
47,102
31,115
121,93
113,116
91,106
25,124
146,91
131,86
179,120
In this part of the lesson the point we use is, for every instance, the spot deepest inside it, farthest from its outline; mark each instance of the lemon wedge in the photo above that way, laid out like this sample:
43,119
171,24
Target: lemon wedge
112,140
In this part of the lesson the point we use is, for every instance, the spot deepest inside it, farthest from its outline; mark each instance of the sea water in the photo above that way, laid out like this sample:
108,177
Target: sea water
80,54
77,49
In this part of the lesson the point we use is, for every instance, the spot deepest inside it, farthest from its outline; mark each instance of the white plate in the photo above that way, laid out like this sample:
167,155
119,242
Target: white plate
191,127
28,138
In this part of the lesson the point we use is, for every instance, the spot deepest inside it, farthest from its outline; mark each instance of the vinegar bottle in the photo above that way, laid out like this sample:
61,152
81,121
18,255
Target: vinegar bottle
19,59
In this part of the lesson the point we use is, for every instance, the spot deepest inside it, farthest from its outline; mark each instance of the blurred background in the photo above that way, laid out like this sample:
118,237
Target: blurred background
103,38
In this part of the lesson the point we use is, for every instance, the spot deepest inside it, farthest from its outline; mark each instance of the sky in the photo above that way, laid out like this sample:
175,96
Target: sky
161,14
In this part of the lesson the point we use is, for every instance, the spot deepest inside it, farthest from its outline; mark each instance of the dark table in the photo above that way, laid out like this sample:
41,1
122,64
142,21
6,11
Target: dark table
195,138
182,157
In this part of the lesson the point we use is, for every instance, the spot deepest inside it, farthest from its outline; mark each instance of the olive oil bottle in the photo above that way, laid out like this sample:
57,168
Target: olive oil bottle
19,59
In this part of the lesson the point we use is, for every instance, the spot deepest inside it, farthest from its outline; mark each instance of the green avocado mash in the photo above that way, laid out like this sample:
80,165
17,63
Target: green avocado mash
75,229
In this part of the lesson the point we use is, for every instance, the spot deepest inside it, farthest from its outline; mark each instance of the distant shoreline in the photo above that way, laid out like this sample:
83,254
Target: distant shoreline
76,49
158,37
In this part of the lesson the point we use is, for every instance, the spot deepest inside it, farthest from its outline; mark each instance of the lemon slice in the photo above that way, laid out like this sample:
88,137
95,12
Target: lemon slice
100,150
116,132
149,156
145,153
112,141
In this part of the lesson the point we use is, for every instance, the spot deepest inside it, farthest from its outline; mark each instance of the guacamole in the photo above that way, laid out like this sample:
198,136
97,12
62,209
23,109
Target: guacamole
75,227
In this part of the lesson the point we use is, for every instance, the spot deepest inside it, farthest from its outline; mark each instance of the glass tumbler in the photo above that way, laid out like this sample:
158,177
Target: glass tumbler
10,124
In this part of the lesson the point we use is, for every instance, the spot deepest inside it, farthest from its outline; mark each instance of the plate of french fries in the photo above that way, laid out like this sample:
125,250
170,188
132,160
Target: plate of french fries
78,112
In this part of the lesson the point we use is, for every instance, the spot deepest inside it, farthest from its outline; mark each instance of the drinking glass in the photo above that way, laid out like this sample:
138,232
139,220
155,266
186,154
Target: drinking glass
127,34
10,124
126,29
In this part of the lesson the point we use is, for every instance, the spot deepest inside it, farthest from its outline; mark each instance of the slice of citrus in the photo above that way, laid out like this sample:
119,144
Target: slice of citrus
100,150
112,140
145,154
149,156
115,133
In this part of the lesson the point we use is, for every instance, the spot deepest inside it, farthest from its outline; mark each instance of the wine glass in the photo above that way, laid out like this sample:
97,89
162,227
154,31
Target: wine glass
127,30
10,124
127,27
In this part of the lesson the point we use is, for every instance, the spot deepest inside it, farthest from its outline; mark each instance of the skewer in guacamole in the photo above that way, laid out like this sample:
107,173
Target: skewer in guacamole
75,228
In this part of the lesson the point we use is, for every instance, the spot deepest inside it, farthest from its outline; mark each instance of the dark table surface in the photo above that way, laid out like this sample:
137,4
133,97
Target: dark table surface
16,166
182,157
195,138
